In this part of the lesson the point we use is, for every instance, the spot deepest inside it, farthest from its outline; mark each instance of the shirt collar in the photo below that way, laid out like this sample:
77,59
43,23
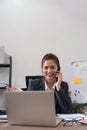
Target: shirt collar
47,88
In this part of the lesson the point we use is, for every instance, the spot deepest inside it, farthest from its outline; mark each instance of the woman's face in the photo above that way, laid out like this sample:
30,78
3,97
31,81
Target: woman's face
49,70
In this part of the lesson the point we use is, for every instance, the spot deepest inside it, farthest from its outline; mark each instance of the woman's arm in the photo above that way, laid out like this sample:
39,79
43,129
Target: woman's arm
63,99
14,89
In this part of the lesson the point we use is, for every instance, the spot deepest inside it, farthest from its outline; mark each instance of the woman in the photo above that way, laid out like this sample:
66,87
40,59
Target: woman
52,80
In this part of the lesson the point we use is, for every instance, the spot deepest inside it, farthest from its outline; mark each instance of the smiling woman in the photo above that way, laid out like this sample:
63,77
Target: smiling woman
50,66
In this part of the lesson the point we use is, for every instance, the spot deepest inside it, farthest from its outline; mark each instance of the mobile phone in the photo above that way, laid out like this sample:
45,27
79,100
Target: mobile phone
56,79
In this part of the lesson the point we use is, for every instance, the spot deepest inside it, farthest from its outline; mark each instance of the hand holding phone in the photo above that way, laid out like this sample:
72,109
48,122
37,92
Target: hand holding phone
58,79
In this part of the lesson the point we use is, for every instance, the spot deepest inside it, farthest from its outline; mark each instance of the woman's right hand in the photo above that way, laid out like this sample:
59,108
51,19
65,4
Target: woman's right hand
13,89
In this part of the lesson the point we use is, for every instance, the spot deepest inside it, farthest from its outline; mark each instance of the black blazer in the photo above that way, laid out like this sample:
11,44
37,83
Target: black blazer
63,102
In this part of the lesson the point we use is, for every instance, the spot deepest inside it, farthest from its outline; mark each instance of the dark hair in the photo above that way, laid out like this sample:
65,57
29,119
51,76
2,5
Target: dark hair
51,56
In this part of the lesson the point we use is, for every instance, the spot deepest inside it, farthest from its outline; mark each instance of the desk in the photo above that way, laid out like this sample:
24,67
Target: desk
6,126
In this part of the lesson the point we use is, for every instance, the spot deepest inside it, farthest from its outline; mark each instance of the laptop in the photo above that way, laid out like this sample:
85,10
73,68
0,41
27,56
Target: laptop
35,108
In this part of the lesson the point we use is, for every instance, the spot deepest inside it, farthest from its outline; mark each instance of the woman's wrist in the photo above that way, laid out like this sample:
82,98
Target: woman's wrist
58,87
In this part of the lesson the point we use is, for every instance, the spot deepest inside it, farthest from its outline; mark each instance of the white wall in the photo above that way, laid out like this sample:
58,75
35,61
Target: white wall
31,28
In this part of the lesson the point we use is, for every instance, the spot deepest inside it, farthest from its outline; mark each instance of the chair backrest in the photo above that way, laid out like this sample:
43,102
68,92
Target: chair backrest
27,78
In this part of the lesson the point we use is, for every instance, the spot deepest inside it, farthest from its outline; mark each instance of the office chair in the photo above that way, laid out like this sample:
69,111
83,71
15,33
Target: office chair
27,78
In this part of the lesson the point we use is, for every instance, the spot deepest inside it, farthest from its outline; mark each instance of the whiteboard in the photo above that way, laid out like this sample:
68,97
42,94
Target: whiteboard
79,82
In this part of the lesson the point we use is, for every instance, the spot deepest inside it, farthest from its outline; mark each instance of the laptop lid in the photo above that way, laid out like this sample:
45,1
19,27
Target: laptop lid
31,108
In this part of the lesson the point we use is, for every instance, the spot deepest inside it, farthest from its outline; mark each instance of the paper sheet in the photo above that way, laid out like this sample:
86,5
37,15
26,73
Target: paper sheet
3,118
72,116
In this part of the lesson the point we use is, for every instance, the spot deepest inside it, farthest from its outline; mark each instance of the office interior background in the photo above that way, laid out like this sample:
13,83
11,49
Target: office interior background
31,28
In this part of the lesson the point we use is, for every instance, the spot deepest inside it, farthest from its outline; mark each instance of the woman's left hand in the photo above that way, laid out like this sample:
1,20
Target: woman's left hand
58,83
